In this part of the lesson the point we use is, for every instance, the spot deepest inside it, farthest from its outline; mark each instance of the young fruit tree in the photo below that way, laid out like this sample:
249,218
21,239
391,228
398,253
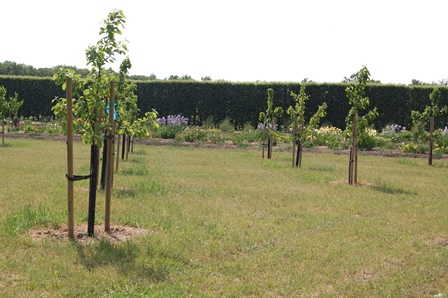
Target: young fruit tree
4,108
10,108
420,119
92,95
14,106
269,125
357,125
299,128
128,123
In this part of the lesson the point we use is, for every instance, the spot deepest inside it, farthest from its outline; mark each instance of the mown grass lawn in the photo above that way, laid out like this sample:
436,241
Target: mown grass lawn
227,223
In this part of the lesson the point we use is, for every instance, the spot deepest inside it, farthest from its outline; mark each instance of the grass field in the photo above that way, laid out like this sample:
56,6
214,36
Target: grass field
227,223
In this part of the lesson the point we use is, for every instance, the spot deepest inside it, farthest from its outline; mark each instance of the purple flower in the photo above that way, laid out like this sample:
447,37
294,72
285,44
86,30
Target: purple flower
445,131
269,126
173,120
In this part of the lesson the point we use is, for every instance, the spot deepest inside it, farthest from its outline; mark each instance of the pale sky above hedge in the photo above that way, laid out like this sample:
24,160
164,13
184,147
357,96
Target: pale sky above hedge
240,40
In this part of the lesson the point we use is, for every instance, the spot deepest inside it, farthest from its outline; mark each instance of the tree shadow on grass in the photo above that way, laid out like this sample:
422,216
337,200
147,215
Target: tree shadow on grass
390,189
123,256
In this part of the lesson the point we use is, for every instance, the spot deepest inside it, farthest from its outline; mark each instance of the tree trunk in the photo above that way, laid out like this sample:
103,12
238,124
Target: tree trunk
123,149
92,191
104,162
431,139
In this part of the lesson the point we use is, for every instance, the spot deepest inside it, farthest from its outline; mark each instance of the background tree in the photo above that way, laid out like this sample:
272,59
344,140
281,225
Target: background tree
151,77
421,119
14,106
17,69
127,109
357,125
300,130
354,78
180,78
4,110
269,121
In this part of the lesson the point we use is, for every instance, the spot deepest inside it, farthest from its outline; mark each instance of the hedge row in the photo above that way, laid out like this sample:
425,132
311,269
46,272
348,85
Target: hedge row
36,92
241,102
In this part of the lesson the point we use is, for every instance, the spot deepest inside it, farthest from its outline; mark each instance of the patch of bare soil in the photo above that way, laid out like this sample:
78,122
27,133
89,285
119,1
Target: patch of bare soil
118,233
359,183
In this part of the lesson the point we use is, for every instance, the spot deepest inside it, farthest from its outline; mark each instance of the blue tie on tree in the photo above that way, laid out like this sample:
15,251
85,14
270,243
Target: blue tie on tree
115,112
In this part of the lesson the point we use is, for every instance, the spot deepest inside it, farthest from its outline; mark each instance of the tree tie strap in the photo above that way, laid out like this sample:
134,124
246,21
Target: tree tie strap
78,177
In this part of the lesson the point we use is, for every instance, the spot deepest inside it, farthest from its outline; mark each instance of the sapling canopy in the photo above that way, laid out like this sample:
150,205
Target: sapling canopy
356,124
298,112
356,94
434,109
269,119
299,125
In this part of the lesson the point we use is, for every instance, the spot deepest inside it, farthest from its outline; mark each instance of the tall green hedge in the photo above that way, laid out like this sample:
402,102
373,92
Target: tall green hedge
36,92
241,102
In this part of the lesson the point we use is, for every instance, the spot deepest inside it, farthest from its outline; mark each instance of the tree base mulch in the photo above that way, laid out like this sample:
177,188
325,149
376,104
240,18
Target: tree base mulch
118,233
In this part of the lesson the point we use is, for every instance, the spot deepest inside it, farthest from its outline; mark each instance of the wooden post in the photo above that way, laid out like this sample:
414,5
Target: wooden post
123,149
355,136
104,162
114,132
110,158
300,149
132,144
128,147
294,135
263,140
353,162
71,217
431,139
3,131
118,151
350,167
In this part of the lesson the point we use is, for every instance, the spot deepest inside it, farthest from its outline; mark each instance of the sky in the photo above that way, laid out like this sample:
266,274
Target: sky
240,40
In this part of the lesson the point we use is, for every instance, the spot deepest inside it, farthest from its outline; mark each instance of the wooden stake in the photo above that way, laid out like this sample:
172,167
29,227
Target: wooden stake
355,138
114,130
300,148
118,151
70,199
350,167
3,131
110,158
132,144
123,149
128,147
353,162
263,140
431,139
294,135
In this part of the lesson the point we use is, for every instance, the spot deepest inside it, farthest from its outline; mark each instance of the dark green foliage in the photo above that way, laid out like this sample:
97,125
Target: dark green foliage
241,102
169,131
366,142
37,94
